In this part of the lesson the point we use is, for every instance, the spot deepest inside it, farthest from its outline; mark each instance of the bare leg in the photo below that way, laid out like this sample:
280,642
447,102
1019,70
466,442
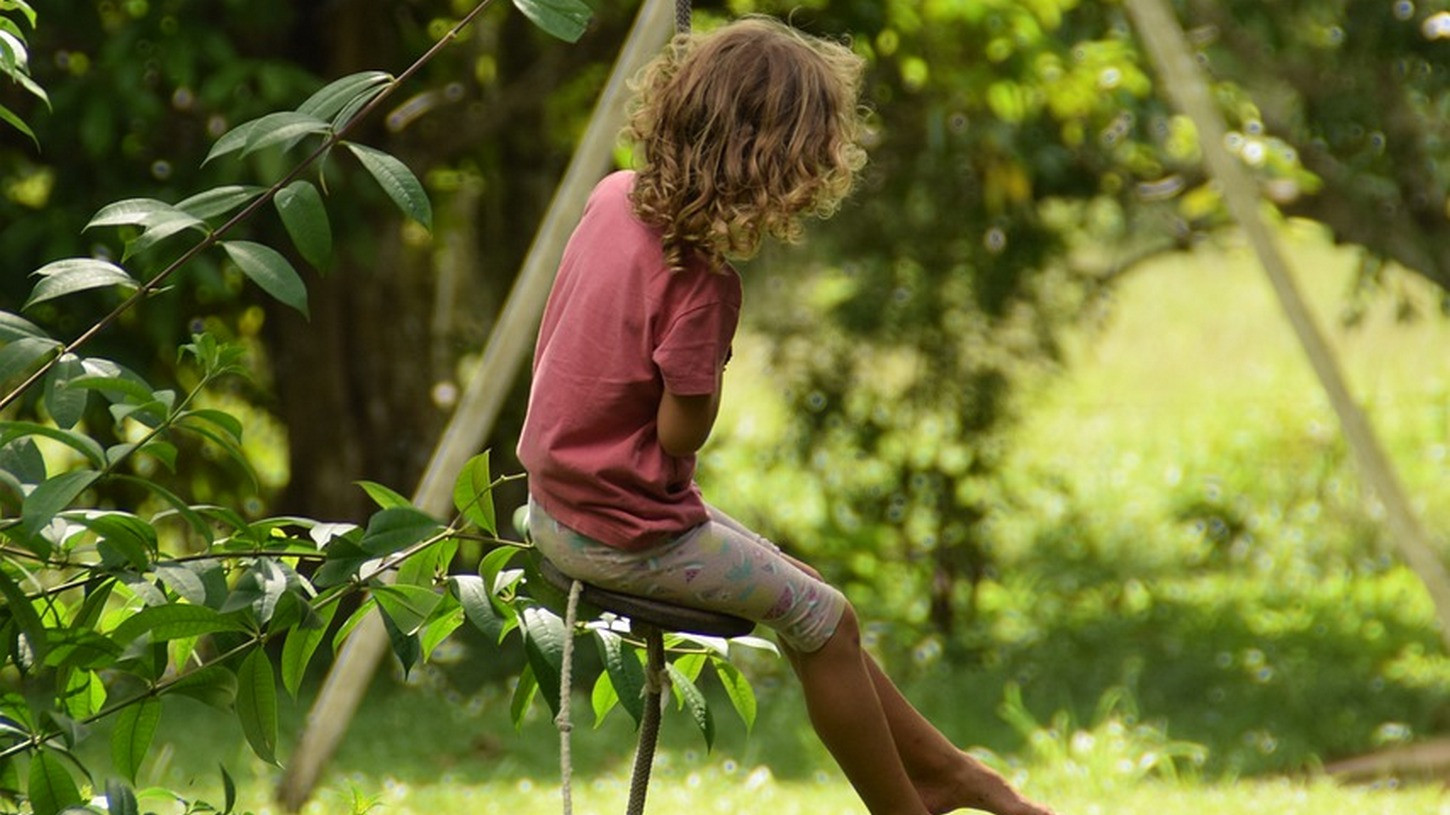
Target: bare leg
946,778
847,714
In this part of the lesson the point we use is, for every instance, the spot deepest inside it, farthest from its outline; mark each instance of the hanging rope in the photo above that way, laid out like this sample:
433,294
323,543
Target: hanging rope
655,676
656,679
566,727
682,16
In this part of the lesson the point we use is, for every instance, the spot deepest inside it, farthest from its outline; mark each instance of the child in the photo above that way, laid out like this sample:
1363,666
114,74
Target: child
744,131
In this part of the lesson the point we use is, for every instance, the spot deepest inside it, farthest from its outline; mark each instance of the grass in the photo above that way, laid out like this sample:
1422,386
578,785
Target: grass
413,752
1183,537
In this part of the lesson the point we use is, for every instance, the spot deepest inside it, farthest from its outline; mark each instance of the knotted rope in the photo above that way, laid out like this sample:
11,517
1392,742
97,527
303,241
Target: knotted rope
562,721
682,16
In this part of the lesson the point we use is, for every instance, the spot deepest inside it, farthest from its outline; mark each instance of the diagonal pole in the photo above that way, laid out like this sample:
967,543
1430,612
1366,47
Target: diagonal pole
1186,85
508,344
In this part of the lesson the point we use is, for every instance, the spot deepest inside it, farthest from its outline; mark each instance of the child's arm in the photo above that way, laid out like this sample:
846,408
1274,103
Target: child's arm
684,422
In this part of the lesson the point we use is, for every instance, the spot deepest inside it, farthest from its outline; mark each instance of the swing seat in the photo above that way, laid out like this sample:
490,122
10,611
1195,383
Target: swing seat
649,619
658,613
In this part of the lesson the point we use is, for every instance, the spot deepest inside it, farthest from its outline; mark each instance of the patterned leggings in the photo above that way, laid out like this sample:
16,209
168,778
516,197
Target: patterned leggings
719,565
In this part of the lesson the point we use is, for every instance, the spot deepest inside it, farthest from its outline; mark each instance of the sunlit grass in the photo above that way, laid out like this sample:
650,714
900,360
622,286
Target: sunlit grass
1192,395
1196,356
405,756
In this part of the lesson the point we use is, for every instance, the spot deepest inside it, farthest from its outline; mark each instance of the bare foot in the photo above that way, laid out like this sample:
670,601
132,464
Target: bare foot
970,784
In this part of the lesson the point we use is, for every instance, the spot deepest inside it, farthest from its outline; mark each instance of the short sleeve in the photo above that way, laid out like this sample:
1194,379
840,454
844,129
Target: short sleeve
693,347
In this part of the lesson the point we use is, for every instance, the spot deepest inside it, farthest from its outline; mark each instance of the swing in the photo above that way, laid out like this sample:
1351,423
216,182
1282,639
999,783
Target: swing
650,620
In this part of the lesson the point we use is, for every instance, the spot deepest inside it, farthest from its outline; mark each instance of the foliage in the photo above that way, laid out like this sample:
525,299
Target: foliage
1022,161
1177,517
112,606
15,59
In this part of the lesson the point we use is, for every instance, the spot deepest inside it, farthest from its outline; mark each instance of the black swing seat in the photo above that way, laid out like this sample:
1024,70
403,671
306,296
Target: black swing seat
662,615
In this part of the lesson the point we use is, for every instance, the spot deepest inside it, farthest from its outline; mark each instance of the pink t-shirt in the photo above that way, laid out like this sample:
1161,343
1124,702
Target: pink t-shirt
618,329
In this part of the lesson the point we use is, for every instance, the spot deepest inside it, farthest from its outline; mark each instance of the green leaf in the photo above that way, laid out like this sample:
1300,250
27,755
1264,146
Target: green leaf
301,644
51,789
193,518
473,494
33,88
231,141
130,212
135,729
84,694
260,588
269,270
523,697
229,791
66,405
120,799
256,704
694,701
8,116
407,606
22,458
424,567
285,128
14,58
213,685
81,443
305,217
199,583
52,496
173,621
344,559
491,566
397,181
383,496
477,604
405,646
219,201
77,274
22,610
19,356
392,530
544,637
223,440
228,423
626,673
738,690
151,413
80,648
344,92
446,618
603,698
120,386
23,7
129,536
14,327
159,228
565,19
353,621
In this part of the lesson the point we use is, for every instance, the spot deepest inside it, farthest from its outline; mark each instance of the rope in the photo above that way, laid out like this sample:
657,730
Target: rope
566,727
682,16
655,679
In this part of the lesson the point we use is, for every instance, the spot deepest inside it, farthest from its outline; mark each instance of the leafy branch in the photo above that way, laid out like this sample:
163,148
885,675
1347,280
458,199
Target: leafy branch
92,599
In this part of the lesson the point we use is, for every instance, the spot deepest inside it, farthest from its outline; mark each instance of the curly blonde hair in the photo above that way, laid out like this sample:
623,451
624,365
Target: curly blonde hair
743,131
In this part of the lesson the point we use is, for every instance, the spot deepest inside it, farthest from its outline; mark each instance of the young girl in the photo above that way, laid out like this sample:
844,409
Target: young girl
743,131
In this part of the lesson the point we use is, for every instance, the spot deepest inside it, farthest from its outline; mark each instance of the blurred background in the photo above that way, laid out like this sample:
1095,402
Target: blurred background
1027,396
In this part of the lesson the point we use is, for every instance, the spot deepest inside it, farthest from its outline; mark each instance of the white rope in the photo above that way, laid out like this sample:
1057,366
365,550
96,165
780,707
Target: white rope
566,763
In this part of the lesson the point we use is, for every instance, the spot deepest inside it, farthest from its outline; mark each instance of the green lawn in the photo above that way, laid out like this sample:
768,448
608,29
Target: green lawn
1290,638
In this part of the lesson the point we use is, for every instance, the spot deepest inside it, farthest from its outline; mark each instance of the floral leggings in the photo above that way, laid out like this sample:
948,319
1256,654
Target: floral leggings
719,565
